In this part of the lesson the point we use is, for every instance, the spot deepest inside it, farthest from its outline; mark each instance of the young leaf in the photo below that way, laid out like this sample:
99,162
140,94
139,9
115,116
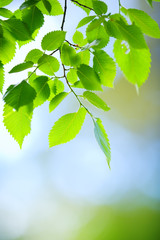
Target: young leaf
85,20
33,18
112,29
48,64
94,24
53,40
72,76
134,63
69,56
99,7
56,87
21,67
56,9
41,86
99,34
4,12
85,57
95,100
144,22
18,29
105,66
18,123
88,77
66,128
57,100
34,55
1,77
79,39
77,84
102,139
19,95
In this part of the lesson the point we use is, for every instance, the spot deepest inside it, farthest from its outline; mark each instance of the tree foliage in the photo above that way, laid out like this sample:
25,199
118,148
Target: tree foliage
84,62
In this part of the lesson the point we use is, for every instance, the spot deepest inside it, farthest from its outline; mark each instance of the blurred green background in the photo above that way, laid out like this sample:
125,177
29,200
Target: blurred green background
68,192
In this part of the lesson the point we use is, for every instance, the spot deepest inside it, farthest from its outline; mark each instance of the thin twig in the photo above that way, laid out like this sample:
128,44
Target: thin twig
82,5
81,104
53,52
73,45
64,15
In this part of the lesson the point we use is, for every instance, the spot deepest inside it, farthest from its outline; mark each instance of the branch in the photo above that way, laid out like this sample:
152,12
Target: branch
82,5
81,104
64,15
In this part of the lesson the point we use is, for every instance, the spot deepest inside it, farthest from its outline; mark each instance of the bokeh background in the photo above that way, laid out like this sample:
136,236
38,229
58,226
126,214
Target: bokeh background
68,192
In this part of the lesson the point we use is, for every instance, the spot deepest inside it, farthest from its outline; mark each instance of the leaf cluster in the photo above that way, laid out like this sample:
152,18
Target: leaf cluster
84,62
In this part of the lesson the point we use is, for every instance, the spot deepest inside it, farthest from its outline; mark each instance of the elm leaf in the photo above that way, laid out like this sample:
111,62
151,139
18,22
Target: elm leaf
66,128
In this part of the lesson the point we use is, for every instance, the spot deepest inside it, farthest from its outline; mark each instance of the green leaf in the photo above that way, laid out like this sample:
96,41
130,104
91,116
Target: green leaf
99,34
132,34
134,63
18,29
53,40
57,100
79,39
19,95
5,2
7,49
99,7
72,76
56,87
94,24
31,77
77,84
88,77
48,64
21,67
69,56
144,22
105,66
34,55
66,128
96,100
1,77
149,2
56,8
47,5
112,29
1,31
85,21
18,123
41,86
33,18
85,57
22,43
102,139
4,12
28,4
